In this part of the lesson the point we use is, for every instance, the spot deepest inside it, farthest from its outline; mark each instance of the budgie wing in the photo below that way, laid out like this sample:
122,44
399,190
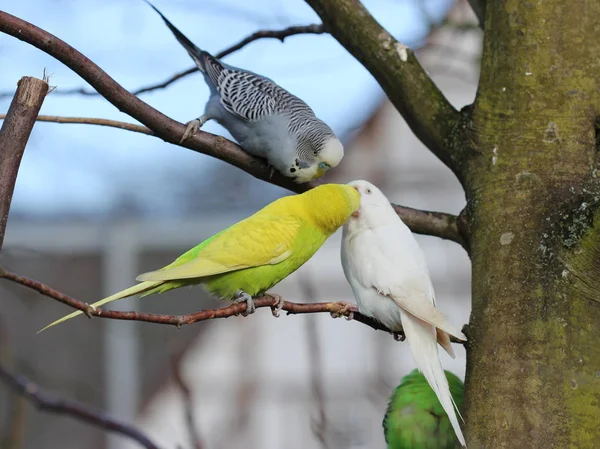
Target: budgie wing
252,97
258,240
404,279
416,302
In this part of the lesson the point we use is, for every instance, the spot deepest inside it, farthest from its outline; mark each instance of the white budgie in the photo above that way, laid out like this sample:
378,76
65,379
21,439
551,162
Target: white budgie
387,272
264,118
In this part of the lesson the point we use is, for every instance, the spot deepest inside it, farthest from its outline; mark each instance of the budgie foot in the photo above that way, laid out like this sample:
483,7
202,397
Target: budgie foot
276,308
192,127
89,310
399,336
346,311
242,296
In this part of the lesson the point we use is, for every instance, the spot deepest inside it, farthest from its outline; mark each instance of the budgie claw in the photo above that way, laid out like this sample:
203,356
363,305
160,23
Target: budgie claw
276,308
192,128
347,311
89,309
242,296
399,336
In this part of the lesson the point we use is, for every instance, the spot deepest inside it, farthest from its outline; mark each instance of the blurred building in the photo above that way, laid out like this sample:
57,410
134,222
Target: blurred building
256,382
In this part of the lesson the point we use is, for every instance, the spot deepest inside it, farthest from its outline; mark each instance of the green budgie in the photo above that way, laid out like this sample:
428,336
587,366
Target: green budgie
415,418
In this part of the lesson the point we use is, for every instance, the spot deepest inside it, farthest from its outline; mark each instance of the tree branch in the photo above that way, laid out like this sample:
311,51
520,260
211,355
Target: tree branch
14,135
261,34
164,127
428,113
92,121
318,424
336,309
82,412
188,405
439,225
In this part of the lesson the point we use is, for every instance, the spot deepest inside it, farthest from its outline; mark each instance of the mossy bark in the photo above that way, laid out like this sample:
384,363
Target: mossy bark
533,370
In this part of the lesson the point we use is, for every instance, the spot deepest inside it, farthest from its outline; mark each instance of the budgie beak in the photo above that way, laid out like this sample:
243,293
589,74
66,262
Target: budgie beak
322,168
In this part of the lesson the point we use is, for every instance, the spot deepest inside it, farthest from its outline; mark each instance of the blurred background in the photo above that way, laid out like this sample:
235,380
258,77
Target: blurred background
94,206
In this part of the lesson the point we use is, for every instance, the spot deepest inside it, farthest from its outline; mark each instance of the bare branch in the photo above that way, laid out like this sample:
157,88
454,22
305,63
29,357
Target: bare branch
336,309
261,34
428,113
82,412
188,405
318,424
438,224
14,135
92,121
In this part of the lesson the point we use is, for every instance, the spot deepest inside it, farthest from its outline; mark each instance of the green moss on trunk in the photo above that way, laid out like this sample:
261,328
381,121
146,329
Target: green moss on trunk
534,353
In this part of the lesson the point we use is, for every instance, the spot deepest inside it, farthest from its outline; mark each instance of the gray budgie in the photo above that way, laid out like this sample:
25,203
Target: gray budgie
265,119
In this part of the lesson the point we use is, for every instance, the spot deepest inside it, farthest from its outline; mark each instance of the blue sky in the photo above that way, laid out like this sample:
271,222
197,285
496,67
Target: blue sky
88,170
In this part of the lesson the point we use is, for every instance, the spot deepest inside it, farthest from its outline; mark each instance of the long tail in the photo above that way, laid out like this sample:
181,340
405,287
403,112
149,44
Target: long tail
198,55
424,308
422,340
136,289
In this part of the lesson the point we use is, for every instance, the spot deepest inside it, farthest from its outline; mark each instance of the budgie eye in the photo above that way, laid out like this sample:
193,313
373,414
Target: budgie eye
368,191
315,152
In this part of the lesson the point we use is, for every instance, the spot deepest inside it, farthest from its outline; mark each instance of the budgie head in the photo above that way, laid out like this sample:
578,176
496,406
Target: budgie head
375,209
330,205
318,150
415,418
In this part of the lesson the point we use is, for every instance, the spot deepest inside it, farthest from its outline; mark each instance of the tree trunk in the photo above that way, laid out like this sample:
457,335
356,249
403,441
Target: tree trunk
533,370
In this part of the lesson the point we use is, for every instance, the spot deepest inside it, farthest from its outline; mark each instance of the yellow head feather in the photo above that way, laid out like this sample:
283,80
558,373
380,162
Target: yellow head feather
330,205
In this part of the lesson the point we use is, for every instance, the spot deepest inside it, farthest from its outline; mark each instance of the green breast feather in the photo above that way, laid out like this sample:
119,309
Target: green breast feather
415,418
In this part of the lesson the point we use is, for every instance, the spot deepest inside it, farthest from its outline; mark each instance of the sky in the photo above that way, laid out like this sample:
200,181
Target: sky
83,170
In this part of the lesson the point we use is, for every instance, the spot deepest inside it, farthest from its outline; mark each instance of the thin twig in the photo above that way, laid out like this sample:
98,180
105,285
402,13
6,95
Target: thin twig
261,34
82,412
92,121
318,425
14,135
188,404
336,309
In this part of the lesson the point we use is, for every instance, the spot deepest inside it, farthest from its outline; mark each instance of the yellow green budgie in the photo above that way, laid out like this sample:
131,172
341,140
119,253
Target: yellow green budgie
251,256
415,418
